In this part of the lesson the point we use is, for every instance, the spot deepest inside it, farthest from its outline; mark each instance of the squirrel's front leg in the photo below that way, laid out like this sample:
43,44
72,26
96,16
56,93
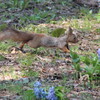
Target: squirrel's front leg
21,47
66,48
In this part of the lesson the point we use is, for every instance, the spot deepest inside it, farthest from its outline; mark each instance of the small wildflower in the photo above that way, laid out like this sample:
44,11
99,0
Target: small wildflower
43,93
98,51
51,94
37,84
39,91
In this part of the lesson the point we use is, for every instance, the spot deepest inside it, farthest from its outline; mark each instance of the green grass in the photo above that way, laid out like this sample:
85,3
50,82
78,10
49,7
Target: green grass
4,46
13,88
10,73
26,60
86,21
2,58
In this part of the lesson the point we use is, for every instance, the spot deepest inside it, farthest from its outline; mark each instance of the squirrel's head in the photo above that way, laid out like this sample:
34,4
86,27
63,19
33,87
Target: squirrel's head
71,36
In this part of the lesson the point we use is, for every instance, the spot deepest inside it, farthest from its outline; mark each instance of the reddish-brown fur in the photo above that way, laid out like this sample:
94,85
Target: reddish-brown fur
36,40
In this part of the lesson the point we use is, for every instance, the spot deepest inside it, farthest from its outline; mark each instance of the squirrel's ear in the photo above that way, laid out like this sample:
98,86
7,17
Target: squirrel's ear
70,30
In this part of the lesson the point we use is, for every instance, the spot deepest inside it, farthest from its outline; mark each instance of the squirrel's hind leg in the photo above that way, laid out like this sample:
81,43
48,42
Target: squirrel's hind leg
21,47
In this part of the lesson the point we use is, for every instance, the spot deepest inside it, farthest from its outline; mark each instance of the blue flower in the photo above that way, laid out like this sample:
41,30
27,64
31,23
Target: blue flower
40,93
37,84
37,92
43,93
98,51
51,94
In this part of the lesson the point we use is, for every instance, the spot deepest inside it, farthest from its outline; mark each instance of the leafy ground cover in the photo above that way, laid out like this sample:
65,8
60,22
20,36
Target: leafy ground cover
74,75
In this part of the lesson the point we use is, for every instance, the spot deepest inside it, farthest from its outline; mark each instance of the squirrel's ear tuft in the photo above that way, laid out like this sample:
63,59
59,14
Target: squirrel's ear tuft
70,30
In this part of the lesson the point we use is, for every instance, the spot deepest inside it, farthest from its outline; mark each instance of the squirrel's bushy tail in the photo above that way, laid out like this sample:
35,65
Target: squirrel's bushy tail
15,35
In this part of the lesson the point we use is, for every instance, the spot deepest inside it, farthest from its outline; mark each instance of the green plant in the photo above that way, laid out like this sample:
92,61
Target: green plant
14,88
57,32
30,73
16,3
41,15
25,4
2,58
86,13
22,4
4,46
86,96
86,60
11,87
28,95
76,63
60,92
26,60
3,26
97,16
92,67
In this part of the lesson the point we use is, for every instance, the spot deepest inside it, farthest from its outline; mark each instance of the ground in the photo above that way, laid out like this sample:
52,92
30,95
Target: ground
52,67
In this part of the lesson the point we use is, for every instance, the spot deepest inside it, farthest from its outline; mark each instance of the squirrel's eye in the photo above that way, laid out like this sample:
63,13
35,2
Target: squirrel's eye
74,38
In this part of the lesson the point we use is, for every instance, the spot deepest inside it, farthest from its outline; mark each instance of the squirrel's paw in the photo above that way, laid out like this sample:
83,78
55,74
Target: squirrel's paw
15,50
